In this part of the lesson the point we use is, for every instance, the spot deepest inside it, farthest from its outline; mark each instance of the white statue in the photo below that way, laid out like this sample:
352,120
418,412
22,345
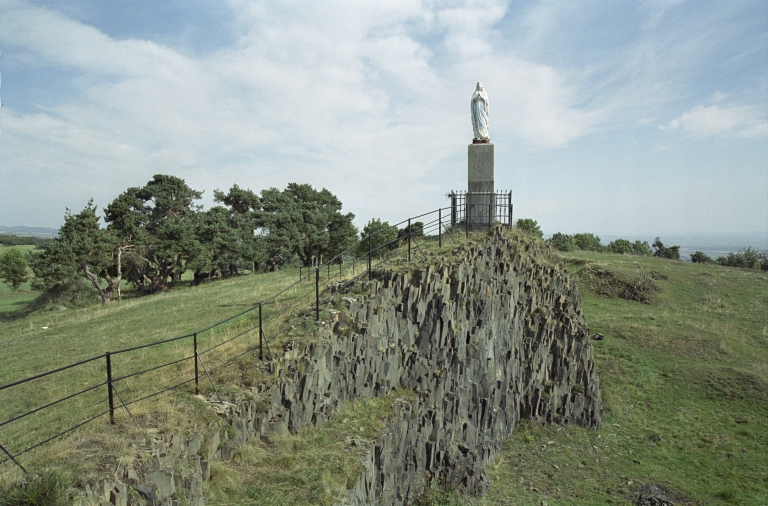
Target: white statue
480,113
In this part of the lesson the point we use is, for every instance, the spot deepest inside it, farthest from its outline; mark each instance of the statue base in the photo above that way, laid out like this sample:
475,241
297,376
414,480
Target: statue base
481,199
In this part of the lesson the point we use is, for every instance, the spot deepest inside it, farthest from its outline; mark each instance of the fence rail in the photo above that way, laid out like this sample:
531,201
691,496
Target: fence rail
93,400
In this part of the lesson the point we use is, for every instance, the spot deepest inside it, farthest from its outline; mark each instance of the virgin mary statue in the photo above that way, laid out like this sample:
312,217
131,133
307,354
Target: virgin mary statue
480,113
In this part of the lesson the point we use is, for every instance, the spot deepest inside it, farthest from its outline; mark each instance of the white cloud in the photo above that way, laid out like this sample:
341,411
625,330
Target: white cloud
713,120
655,10
367,100
337,86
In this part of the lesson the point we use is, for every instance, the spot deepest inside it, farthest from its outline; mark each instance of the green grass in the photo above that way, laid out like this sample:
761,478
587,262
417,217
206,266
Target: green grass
46,339
48,489
684,381
315,466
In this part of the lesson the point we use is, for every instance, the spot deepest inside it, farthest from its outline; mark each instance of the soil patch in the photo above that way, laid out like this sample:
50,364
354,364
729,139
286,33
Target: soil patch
607,282
652,495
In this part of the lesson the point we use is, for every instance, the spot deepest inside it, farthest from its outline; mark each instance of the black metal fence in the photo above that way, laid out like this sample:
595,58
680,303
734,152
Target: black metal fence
107,384
480,210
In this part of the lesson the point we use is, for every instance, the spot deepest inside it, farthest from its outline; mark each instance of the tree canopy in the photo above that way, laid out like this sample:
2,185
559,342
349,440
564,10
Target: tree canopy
157,232
671,252
81,248
13,268
305,224
382,236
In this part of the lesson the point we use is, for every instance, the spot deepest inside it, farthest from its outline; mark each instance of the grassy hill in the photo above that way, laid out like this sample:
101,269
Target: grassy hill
682,367
684,374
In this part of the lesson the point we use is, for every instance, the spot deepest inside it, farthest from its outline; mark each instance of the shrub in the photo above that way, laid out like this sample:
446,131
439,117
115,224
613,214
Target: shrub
588,242
47,489
439,497
72,292
620,246
623,246
529,226
699,257
746,258
562,242
416,231
382,234
671,252
641,248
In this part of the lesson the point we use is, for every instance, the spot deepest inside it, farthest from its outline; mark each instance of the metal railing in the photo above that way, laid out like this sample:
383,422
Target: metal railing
101,392
480,210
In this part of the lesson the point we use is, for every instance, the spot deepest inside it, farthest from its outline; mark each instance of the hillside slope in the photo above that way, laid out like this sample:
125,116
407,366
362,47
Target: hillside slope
684,376
682,373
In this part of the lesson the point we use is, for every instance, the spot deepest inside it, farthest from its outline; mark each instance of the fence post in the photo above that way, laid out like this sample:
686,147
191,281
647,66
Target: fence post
466,216
493,199
261,336
510,209
454,211
109,389
317,294
197,377
440,228
369,257
409,239
329,270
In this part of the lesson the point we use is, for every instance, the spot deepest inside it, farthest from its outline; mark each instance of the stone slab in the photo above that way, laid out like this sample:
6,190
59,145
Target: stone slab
480,163
480,186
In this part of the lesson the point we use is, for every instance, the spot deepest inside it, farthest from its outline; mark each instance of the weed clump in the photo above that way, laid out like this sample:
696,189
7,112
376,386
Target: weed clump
611,283
440,497
46,489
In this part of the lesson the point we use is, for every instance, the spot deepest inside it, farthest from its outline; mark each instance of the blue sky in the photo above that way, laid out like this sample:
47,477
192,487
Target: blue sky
631,118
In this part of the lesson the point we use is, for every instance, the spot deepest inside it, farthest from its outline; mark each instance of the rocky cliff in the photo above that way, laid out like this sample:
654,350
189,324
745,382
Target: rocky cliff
486,336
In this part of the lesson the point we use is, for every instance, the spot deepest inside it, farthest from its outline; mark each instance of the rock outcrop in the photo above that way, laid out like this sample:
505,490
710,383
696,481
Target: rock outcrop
486,337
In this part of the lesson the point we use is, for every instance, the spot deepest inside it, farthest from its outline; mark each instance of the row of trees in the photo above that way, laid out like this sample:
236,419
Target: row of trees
591,242
157,232
746,258
22,240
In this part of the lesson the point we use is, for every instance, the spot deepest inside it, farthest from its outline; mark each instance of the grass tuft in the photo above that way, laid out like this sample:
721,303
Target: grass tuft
44,489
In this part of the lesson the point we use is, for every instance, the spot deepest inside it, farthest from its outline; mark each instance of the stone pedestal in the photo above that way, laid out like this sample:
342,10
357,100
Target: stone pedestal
481,199
480,173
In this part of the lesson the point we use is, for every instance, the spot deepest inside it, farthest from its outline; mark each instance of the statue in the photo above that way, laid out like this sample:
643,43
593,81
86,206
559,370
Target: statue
480,114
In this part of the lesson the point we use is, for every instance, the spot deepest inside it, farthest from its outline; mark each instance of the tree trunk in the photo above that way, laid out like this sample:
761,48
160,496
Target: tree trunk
114,284
105,295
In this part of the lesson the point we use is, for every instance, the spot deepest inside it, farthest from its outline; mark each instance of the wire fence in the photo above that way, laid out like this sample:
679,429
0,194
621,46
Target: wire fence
112,382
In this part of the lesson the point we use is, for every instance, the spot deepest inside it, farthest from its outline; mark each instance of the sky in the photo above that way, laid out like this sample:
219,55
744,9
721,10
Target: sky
624,118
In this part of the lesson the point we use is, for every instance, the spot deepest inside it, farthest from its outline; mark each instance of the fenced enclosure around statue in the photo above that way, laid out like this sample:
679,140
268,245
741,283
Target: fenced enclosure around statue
50,404
480,210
